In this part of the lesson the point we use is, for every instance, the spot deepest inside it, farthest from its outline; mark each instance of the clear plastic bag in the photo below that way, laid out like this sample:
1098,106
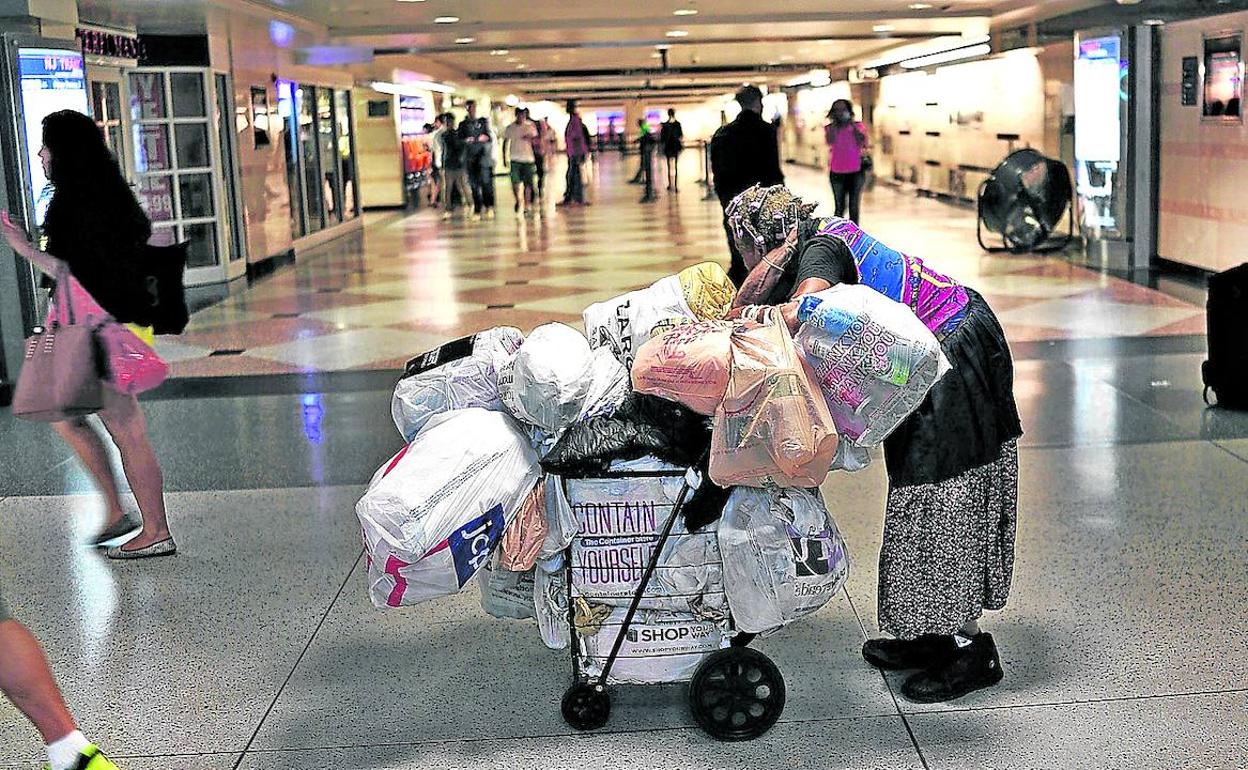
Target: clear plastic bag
873,358
783,556
773,427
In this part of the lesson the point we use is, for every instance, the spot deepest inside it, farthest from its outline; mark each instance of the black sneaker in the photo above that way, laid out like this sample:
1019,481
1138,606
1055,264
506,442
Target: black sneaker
971,668
900,655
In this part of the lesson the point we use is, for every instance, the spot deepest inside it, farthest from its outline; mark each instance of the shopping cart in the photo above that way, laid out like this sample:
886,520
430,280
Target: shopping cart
735,693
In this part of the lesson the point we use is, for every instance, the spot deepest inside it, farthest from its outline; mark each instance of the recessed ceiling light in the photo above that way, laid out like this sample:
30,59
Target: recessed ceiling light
446,20
465,40
920,6
677,33
882,28
499,52
1154,22
662,47
685,12
826,42
656,55
411,1
787,57
521,66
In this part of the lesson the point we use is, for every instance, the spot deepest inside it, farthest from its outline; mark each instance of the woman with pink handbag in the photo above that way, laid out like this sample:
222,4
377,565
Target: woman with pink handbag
95,230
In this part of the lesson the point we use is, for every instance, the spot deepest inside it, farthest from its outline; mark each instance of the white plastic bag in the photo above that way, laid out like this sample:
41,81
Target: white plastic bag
550,599
561,523
659,647
458,375
623,324
547,382
435,512
874,359
505,594
783,556
609,387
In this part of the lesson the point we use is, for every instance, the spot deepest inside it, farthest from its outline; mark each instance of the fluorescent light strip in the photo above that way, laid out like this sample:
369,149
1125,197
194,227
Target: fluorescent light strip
410,89
954,45
958,54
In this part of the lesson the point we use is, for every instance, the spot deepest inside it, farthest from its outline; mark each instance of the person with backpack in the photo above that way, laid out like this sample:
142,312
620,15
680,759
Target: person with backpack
96,233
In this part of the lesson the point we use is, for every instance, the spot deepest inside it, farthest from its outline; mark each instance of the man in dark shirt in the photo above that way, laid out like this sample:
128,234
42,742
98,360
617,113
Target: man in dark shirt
743,153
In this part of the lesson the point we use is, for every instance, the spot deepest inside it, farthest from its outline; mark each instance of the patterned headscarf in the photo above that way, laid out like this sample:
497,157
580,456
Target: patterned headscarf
763,216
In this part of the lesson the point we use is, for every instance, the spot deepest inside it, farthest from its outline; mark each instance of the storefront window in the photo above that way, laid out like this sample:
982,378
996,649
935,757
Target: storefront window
188,94
346,153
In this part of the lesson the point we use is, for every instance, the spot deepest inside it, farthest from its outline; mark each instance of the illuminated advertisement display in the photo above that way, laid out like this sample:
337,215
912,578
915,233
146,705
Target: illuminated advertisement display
50,80
1100,101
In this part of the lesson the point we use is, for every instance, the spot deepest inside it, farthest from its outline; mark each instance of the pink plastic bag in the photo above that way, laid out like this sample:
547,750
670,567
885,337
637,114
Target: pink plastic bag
133,366
523,539
688,364
773,427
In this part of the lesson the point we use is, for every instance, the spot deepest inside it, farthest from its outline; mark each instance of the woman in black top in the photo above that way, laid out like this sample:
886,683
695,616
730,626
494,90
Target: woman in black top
672,137
94,226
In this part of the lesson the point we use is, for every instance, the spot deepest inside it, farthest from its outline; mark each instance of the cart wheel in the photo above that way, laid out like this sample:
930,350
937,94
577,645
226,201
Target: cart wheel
586,706
737,694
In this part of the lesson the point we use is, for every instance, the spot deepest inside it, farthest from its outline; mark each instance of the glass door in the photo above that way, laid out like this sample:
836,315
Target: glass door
177,163
327,146
106,107
346,154
313,190
229,122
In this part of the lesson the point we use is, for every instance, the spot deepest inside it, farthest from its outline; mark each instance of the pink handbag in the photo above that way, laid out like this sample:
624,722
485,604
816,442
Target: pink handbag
131,365
60,376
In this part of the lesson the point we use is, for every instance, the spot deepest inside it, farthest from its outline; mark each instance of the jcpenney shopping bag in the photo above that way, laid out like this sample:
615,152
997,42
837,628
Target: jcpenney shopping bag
436,511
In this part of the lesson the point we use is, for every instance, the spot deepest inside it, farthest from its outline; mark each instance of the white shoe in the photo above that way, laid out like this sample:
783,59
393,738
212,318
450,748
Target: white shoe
446,216
165,547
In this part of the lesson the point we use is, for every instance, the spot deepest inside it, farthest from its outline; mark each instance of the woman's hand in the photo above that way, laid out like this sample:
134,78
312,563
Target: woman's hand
14,235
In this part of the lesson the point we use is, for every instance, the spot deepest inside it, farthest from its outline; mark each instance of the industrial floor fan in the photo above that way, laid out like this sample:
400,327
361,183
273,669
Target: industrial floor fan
1023,202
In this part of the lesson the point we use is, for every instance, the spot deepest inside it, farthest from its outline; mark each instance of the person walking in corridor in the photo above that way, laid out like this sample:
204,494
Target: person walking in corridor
672,140
478,138
27,682
545,146
95,231
454,168
847,145
743,153
518,139
436,161
576,143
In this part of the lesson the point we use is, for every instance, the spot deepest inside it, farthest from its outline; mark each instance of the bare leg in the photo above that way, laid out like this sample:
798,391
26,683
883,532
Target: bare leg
26,680
89,447
125,423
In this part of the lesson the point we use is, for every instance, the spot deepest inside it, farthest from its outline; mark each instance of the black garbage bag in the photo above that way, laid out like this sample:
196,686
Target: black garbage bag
644,426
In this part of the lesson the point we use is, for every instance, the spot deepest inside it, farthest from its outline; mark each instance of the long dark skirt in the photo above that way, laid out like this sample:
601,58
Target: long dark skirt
949,525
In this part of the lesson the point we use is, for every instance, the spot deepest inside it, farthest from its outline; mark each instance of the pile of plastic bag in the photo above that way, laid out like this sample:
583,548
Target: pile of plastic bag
545,466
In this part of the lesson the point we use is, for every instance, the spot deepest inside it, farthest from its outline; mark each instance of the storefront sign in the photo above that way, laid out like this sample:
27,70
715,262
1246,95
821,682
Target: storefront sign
111,44
1191,76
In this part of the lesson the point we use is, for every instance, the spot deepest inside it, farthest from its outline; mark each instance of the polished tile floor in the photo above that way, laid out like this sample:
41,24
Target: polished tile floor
411,282
1123,643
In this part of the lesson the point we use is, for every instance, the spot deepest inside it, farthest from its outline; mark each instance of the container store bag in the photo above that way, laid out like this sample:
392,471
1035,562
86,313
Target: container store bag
458,375
435,512
874,359
623,324
773,427
783,556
